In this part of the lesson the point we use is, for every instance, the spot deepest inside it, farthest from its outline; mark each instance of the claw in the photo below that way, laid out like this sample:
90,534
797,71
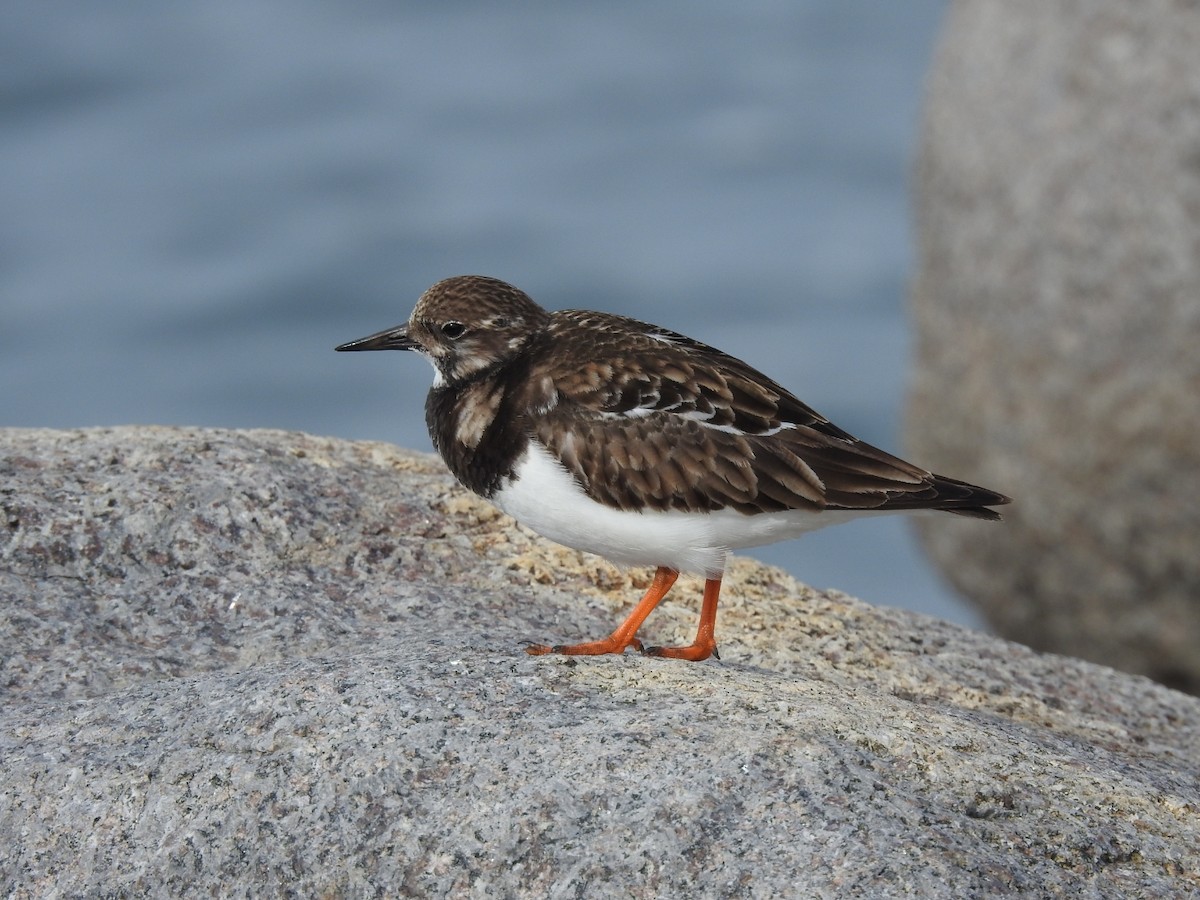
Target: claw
590,648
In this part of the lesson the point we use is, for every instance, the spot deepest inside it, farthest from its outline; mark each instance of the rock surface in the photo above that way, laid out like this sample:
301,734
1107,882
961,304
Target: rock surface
1058,311
264,663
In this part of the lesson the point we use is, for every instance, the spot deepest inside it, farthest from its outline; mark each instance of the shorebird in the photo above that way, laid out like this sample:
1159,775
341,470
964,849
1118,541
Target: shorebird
642,445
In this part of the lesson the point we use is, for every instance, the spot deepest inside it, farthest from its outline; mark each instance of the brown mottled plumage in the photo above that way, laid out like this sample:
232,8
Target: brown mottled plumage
645,421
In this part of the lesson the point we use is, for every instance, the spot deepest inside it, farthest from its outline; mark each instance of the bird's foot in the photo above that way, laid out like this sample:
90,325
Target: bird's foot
692,652
589,648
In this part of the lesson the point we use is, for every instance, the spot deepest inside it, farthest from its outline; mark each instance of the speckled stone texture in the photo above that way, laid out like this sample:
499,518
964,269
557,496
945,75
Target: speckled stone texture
1057,305
267,664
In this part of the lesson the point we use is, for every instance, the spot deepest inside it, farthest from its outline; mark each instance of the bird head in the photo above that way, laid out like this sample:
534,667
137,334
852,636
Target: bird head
464,325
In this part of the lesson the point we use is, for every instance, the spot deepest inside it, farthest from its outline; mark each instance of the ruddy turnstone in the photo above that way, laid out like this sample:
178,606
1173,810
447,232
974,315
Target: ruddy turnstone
637,443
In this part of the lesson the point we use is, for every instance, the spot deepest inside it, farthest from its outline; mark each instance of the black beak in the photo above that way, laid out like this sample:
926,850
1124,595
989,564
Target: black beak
389,339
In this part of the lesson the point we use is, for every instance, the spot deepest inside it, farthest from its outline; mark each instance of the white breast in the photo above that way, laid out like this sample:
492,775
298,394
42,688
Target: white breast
545,497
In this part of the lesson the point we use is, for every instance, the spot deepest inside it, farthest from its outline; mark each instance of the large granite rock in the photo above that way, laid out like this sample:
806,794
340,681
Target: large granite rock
1058,313
260,663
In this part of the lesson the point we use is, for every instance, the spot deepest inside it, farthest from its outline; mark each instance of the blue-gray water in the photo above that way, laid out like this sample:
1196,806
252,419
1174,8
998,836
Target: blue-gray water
200,200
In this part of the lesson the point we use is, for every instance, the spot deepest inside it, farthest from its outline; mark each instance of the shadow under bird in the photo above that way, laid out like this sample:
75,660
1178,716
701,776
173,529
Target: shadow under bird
639,444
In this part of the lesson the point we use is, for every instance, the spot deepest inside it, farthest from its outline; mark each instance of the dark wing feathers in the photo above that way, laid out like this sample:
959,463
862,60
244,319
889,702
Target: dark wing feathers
665,422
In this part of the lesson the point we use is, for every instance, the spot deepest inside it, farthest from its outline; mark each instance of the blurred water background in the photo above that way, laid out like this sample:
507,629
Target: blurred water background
200,200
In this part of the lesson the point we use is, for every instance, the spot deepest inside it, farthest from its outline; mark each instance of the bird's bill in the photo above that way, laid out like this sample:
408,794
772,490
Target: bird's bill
389,339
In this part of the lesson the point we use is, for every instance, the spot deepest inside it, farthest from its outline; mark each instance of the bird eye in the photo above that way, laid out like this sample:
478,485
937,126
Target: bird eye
453,330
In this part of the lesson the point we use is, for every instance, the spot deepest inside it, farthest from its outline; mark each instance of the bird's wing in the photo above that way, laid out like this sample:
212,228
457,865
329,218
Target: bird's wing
665,422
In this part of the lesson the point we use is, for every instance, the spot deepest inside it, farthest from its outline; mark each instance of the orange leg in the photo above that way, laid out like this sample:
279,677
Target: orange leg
705,644
625,635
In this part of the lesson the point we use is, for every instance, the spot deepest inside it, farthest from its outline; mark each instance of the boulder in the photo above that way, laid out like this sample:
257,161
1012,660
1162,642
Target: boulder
1057,306
264,663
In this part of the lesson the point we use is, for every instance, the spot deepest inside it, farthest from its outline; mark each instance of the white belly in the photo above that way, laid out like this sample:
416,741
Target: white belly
546,498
